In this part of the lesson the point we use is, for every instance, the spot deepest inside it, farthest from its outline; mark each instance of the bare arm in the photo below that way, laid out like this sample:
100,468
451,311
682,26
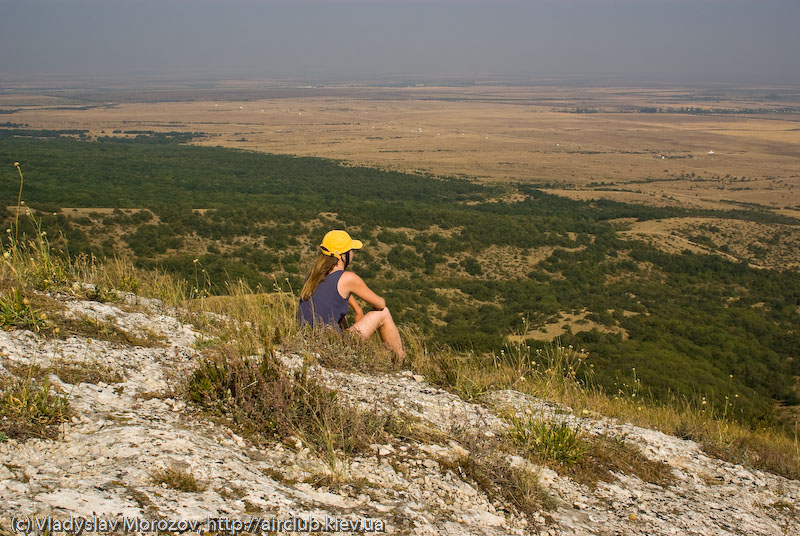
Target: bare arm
352,284
355,307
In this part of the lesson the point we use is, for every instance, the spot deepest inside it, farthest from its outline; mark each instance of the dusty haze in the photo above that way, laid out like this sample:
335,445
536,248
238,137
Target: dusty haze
603,40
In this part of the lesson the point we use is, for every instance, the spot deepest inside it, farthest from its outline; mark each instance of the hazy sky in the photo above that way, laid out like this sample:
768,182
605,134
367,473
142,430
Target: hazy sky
755,41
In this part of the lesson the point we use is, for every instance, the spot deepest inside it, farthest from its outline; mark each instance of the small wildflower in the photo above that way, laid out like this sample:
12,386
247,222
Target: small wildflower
730,376
16,164
736,395
6,254
585,412
26,301
57,331
638,408
43,316
89,341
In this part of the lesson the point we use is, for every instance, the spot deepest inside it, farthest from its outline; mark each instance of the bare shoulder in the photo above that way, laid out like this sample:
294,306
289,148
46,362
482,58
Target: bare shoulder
350,279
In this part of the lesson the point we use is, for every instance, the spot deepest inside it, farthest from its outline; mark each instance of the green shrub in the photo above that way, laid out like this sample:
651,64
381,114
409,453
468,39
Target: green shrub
551,441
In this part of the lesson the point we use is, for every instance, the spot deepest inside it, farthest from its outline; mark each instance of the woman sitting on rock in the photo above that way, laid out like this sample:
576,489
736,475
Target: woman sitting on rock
327,294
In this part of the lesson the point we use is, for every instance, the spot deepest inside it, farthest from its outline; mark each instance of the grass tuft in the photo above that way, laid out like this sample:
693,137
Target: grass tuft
176,478
105,331
488,467
343,351
267,402
556,442
254,321
16,312
29,407
92,372
606,455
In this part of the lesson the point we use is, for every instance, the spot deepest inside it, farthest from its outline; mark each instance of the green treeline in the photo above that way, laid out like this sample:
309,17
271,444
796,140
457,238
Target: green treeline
690,321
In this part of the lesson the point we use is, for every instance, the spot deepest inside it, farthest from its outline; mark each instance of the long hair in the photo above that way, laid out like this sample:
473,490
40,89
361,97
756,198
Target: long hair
322,267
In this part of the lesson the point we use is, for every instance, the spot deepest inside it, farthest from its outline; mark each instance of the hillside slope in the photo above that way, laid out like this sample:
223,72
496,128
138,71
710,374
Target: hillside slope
106,459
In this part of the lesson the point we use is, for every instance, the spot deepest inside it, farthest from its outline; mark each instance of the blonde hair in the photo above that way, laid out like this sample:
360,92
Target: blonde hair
322,267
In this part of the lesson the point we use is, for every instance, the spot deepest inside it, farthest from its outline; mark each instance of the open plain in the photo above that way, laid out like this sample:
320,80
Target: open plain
696,147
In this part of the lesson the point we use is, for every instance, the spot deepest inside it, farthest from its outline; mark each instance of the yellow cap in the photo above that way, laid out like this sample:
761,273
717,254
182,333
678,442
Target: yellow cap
337,242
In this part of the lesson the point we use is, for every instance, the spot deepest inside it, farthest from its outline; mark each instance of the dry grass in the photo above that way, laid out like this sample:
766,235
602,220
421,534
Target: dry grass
29,406
587,459
176,478
120,275
607,455
267,402
251,320
92,372
488,467
574,322
95,329
22,306
30,265
564,375
73,373
343,351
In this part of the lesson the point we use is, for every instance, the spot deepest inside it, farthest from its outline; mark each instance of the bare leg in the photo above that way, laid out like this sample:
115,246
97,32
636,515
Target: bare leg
383,322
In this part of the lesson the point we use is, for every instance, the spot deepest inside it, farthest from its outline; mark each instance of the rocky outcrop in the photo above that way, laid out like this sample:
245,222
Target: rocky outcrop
103,462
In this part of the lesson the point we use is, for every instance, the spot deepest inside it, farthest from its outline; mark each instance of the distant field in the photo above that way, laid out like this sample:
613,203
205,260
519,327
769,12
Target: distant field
652,144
